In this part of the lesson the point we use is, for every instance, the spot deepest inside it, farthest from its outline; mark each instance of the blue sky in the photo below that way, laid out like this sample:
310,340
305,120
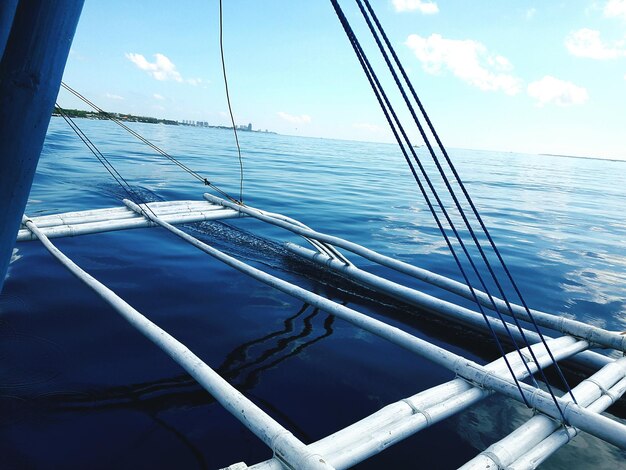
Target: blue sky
511,75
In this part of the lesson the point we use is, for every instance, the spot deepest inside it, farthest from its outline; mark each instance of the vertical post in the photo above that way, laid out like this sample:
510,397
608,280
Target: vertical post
7,12
30,74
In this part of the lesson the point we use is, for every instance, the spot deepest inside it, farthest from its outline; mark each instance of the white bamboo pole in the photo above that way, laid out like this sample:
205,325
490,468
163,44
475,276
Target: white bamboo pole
397,421
122,212
568,326
325,248
592,393
77,217
593,423
60,220
349,446
434,305
562,436
125,223
289,449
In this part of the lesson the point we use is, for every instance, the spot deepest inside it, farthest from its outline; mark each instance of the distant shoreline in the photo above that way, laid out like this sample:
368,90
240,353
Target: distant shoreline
604,159
78,113
103,116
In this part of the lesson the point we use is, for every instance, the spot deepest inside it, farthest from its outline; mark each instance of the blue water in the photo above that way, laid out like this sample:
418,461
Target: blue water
79,388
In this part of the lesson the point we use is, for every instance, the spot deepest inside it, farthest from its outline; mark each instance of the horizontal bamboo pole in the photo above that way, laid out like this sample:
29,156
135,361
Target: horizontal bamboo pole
592,423
125,223
591,393
609,339
437,306
281,441
122,212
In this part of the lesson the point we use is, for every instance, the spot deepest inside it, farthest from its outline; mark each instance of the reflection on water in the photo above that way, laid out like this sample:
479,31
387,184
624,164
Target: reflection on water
286,345
494,418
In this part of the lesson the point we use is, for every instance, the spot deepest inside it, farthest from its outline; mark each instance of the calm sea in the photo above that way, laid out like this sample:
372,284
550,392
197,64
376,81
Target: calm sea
79,388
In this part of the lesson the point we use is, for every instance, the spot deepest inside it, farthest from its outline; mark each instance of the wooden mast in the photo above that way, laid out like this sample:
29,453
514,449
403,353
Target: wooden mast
34,54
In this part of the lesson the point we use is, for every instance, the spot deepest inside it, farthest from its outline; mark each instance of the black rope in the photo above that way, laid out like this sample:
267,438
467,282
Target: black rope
468,198
359,54
384,103
135,134
462,213
121,181
459,181
230,109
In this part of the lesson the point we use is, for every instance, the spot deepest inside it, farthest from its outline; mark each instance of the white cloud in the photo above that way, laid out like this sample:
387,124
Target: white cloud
111,96
587,43
302,119
368,127
428,8
467,59
161,69
530,13
615,8
552,90
75,55
158,97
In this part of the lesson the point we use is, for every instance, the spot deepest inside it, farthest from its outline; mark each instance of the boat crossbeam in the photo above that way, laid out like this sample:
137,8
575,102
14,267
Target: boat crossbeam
437,306
73,224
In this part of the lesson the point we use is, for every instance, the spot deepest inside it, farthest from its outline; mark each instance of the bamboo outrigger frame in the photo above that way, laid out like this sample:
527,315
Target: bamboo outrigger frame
526,447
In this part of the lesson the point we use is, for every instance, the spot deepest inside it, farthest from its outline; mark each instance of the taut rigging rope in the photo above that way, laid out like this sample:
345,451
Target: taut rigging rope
121,181
389,112
230,109
457,178
135,134
380,94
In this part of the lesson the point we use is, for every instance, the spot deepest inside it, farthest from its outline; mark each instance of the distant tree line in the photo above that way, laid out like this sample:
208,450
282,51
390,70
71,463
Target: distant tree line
79,113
